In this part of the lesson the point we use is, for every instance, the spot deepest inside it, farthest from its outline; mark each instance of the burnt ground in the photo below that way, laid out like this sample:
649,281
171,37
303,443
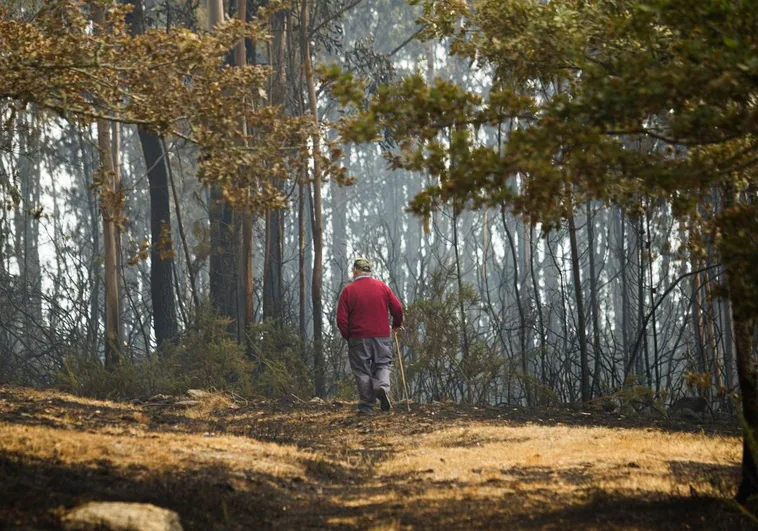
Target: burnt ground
225,464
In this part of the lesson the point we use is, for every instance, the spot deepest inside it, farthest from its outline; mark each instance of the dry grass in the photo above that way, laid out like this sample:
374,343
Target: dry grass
279,465
213,404
160,453
594,455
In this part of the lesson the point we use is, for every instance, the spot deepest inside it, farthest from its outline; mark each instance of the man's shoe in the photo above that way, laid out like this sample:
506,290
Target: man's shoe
381,394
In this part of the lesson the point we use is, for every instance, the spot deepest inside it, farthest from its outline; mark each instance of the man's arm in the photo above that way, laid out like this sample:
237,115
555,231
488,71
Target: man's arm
396,309
342,314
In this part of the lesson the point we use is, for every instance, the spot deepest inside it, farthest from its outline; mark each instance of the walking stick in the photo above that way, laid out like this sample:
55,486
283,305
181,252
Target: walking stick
402,372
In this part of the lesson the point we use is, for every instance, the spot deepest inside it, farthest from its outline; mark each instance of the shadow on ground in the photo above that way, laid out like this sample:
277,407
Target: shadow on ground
340,487
34,494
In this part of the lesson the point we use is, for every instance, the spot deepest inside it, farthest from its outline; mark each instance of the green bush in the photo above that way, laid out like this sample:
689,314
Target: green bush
280,365
205,357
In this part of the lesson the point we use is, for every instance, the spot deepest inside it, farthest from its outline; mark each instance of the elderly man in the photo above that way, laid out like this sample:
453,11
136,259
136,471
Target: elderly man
363,320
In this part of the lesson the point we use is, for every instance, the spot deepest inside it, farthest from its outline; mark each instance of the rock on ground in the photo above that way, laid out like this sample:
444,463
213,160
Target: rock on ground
121,516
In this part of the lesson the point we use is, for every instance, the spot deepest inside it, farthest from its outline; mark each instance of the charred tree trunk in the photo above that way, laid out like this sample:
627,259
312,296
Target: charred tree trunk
580,318
223,266
27,227
738,248
161,287
594,310
520,307
272,267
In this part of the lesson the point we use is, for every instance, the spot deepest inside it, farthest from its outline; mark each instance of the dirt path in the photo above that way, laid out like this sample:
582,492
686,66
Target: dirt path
286,465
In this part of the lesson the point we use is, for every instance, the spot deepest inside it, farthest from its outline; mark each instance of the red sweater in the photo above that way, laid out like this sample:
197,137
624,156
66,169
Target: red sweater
362,309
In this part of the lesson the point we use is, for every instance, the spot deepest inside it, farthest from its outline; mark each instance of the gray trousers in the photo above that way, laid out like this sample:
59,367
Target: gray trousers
371,361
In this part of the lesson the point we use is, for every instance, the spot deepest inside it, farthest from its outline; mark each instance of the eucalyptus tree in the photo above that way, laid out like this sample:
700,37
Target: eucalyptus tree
161,285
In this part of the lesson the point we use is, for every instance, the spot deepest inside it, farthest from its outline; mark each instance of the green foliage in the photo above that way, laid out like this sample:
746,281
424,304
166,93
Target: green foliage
174,83
347,391
84,376
206,357
595,100
278,362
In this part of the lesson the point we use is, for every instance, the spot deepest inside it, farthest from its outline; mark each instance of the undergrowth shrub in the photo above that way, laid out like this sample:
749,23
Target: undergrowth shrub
205,357
434,340
280,362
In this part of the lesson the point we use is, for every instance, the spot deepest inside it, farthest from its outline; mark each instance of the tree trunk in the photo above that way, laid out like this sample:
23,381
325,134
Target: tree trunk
728,327
110,205
580,325
538,302
594,310
520,307
110,211
27,228
316,220
654,323
161,288
272,270
301,274
461,307
223,266
625,305
339,230
748,377
246,247
697,316
643,362
156,163
738,225
94,276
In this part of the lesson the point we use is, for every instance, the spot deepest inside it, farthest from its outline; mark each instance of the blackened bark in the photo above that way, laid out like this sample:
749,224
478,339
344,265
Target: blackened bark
161,287
223,265
748,377
594,309
272,271
580,325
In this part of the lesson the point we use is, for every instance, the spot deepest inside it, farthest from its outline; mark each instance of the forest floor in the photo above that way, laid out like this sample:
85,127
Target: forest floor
222,464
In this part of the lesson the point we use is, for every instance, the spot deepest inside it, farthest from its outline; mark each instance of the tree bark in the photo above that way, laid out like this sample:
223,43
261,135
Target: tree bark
272,267
27,226
111,212
594,310
538,303
94,276
738,225
246,246
580,325
520,307
461,306
161,288
317,222
747,372
156,162
223,265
